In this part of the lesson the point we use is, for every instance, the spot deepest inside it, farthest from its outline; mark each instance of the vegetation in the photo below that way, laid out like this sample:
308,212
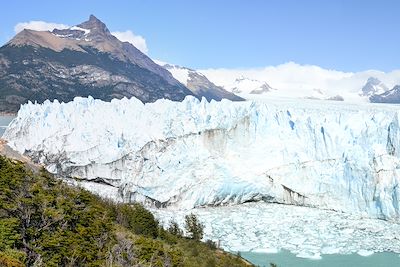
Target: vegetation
44,222
194,227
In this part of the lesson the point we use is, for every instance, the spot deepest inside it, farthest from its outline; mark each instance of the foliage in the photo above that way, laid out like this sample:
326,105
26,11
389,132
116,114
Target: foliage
136,218
194,227
44,222
173,228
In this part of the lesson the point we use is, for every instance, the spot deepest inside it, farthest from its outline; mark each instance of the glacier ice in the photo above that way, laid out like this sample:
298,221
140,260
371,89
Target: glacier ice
306,232
195,153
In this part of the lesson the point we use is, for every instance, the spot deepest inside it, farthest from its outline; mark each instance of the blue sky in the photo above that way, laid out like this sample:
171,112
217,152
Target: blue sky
352,35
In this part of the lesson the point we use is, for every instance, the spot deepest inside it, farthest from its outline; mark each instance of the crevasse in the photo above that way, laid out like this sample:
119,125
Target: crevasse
198,153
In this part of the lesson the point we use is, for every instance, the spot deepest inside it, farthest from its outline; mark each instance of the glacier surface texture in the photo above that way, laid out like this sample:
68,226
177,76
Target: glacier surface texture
194,153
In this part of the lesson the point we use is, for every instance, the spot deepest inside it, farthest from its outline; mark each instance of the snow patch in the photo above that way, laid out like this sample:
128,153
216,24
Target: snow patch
86,31
179,73
266,250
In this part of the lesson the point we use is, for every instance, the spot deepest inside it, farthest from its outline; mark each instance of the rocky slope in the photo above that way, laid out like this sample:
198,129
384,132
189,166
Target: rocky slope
81,61
199,84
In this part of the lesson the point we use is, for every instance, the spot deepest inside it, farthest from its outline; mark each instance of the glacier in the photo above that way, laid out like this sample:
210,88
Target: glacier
190,154
304,231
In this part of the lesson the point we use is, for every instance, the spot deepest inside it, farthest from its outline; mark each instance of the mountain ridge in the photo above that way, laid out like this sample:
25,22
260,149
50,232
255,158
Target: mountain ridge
199,84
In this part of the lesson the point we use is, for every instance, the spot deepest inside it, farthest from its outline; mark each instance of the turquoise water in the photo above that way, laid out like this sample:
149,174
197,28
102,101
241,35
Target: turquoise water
287,259
4,121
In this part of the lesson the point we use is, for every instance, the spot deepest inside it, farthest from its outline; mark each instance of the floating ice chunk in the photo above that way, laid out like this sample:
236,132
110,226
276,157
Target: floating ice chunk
266,250
309,255
330,250
365,253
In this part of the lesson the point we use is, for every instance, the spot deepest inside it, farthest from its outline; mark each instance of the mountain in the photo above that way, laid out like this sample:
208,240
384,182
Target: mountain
249,86
391,96
373,86
80,61
192,154
199,84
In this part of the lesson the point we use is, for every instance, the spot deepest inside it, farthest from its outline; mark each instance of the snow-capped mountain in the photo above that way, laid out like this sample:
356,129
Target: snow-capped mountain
191,153
199,84
243,85
390,96
373,86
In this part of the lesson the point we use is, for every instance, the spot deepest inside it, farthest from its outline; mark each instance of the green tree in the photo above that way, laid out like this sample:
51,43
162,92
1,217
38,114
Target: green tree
194,227
136,218
173,228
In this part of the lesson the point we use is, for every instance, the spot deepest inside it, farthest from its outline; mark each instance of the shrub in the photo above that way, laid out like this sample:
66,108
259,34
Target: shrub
211,244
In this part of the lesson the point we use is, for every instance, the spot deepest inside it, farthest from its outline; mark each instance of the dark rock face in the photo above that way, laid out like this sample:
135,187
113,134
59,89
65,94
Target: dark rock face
391,96
79,62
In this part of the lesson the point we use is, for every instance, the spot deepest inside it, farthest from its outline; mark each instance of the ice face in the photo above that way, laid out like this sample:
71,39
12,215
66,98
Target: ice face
194,153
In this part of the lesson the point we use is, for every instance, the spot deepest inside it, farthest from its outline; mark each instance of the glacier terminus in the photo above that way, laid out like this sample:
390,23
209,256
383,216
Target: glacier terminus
322,155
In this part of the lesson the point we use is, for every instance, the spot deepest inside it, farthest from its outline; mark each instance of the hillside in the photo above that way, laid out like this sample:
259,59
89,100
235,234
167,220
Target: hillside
44,222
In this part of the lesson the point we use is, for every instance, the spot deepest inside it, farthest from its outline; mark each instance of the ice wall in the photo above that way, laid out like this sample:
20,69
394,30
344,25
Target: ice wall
192,153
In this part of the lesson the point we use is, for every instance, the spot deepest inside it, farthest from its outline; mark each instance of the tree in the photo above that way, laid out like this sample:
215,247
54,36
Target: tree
136,218
194,227
174,229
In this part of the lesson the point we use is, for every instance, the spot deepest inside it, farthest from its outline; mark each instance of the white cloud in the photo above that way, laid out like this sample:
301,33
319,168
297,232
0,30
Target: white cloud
292,79
39,26
128,36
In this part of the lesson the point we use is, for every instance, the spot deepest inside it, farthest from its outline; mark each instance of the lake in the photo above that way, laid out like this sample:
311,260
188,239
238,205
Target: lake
286,259
4,122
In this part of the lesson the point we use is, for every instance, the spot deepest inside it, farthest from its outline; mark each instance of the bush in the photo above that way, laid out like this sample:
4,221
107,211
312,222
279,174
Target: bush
211,244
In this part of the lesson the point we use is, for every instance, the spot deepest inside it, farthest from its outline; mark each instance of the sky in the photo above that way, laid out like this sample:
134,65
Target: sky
345,35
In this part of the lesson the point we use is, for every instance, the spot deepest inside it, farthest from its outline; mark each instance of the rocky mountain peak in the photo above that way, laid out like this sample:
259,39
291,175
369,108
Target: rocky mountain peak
95,26
373,86
390,96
